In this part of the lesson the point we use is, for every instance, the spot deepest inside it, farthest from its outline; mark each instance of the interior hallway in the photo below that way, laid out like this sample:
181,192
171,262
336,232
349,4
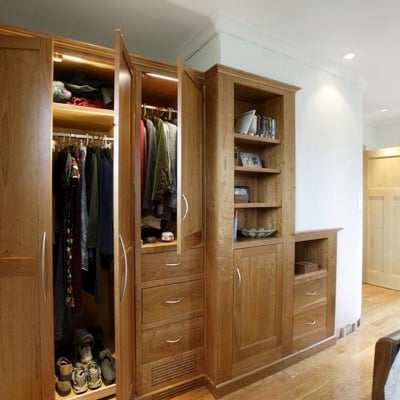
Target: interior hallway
343,372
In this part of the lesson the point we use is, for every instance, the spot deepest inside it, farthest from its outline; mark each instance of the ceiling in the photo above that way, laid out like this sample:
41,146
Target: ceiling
321,29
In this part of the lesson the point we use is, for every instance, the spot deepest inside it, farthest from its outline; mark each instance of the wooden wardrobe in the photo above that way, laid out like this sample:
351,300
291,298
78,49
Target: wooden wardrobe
209,308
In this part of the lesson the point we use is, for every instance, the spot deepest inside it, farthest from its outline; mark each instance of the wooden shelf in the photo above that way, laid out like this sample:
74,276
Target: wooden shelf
257,170
97,394
243,242
78,117
300,278
257,205
256,140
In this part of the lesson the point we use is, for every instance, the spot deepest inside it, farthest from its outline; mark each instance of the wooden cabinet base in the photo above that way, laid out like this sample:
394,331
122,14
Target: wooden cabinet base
219,390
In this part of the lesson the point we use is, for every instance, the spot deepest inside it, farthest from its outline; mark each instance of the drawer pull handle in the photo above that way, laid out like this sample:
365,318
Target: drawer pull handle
173,264
178,339
311,322
313,293
175,301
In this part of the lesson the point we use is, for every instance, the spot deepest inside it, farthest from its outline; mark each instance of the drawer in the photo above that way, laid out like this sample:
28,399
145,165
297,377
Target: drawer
310,293
168,264
172,339
309,321
169,301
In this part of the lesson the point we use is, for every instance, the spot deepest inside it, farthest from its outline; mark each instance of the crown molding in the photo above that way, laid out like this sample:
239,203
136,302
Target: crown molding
253,35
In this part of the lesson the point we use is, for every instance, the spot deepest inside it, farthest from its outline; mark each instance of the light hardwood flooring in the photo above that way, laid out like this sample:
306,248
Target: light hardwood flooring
343,371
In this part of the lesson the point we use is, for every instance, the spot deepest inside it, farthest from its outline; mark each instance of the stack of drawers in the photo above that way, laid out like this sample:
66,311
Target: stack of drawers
172,310
310,309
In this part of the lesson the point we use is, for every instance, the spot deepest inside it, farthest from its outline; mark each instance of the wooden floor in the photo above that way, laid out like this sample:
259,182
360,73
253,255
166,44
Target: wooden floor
341,372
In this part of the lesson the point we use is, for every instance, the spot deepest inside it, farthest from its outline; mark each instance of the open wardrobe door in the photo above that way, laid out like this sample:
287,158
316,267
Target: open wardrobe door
124,222
190,158
26,300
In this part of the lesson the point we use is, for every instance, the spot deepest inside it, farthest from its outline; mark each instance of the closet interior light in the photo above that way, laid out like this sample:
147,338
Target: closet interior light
168,78
58,57
349,56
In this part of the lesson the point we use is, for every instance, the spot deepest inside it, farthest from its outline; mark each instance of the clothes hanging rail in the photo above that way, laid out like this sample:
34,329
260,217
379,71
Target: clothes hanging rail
164,109
82,136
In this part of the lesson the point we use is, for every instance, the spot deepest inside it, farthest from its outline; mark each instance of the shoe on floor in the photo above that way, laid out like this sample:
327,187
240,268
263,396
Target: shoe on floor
93,375
107,366
79,380
85,353
63,388
64,369
84,342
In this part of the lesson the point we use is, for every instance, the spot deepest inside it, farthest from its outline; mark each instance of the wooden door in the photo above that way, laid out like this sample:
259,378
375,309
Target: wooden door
382,217
257,320
26,312
189,159
124,222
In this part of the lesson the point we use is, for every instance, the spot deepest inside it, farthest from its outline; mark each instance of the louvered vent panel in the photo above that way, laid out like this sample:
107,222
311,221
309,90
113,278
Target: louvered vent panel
165,372
176,391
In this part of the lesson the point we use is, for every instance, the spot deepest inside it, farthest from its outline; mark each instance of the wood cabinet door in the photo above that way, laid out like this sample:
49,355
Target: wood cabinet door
382,217
26,300
190,159
257,320
124,221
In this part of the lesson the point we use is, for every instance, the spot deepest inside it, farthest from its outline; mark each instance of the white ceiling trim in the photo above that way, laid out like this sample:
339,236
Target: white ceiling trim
220,23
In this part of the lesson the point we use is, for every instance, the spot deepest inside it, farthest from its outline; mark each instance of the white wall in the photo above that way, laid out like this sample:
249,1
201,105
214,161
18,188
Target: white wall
328,154
380,135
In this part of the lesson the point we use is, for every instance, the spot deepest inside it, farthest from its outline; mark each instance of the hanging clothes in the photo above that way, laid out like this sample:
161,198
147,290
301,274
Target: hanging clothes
83,226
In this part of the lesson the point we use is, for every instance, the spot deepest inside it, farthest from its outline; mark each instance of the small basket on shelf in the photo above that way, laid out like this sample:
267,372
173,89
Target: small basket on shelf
257,232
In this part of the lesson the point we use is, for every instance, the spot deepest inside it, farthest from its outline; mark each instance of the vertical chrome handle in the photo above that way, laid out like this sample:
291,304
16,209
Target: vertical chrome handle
239,278
125,267
187,206
44,283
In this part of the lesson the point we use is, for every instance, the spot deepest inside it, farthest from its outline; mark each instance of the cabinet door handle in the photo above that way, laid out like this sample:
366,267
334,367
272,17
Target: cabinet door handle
125,267
239,278
173,264
175,301
311,322
313,293
43,266
178,339
186,205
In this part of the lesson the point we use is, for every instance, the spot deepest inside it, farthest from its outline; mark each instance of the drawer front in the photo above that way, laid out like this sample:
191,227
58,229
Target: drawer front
169,301
171,265
172,339
309,321
310,293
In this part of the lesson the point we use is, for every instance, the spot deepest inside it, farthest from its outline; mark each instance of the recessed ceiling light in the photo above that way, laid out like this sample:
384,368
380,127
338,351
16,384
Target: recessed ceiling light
349,56
383,109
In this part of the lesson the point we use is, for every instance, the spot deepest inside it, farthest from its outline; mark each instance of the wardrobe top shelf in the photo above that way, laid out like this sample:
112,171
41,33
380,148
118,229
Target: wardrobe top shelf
79,117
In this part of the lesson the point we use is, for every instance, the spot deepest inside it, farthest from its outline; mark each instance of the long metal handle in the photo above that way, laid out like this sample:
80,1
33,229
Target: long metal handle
187,206
311,322
175,301
126,269
173,264
239,278
313,293
178,339
44,283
